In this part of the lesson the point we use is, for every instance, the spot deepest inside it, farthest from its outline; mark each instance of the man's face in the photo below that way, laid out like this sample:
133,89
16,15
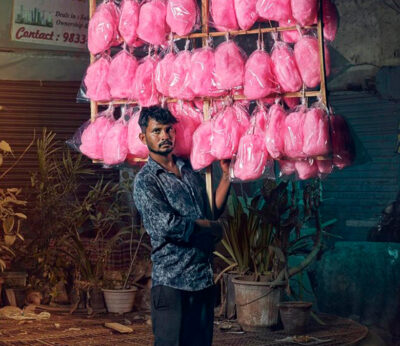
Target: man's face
159,138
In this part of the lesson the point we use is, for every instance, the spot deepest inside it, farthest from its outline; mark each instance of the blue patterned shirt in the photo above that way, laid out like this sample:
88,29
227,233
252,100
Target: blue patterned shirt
169,206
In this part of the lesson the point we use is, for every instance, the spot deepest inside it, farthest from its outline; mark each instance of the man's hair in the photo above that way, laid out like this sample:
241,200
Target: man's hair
161,115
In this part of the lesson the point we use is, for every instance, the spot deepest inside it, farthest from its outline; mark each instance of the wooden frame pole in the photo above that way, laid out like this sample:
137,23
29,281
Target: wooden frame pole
93,104
320,31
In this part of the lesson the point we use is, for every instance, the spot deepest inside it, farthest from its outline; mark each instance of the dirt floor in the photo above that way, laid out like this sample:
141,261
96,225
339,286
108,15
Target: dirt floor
79,329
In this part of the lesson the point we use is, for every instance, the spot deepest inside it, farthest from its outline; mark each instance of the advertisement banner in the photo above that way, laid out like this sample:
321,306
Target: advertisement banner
51,22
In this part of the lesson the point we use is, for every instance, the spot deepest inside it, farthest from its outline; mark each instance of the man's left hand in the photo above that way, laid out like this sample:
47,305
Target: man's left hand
225,167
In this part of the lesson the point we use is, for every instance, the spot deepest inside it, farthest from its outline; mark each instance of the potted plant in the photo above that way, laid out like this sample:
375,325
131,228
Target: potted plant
258,242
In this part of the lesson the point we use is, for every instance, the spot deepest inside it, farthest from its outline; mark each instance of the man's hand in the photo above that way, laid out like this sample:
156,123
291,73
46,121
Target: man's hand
212,227
225,167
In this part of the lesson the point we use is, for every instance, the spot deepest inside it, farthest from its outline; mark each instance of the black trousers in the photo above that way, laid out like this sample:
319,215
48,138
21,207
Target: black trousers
182,318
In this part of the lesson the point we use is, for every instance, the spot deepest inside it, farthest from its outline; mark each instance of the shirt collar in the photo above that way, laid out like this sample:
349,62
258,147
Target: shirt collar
156,168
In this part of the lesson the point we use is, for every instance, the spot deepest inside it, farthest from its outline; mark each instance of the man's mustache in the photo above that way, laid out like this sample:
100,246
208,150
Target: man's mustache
165,142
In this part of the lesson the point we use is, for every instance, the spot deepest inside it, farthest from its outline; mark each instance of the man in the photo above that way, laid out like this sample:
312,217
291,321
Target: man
172,200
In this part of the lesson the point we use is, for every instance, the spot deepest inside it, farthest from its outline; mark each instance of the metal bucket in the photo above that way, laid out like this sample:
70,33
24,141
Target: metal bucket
256,303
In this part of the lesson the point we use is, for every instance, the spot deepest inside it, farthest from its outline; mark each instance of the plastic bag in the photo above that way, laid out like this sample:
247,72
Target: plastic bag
115,143
285,68
286,167
180,80
163,73
325,166
343,146
306,52
304,11
121,76
182,16
152,26
226,133
93,136
136,148
291,102
306,169
103,28
246,13
97,88
201,157
184,129
316,132
260,115
293,133
229,66
330,19
242,116
289,36
274,134
274,9
202,71
259,78
223,15
145,90
129,21
186,109
251,158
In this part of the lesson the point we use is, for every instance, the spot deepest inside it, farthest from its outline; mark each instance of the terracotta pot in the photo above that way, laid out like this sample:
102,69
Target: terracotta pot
295,316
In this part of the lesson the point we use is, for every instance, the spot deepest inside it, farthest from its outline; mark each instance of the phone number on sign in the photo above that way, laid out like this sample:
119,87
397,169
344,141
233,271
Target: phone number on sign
74,38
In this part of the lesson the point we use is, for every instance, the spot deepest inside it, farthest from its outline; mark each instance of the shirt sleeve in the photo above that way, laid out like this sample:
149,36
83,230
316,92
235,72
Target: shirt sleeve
160,220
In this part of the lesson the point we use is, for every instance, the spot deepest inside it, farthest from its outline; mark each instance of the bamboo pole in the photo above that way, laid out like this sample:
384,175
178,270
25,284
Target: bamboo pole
93,104
322,55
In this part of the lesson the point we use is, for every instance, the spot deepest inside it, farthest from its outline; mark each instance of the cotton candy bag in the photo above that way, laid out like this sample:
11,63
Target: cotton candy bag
180,85
246,13
316,133
182,16
129,21
274,134
115,143
287,167
145,90
293,133
93,136
285,68
259,79
202,71
229,66
163,73
306,52
330,19
103,28
289,36
274,9
223,15
306,169
152,26
96,80
304,11
121,76
186,109
342,143
135,146
201,157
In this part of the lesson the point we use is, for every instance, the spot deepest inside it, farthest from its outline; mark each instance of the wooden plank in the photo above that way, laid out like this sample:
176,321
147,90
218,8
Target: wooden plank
322,55
93,105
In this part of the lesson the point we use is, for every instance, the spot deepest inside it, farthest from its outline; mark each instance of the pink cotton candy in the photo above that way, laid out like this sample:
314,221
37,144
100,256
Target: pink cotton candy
342,143
325,166
242,116
306,52
274,9
121,76
181,16
274,134
316,133
93,136
135,146
201,157
102,30
188,110
163,74
223,15
289,36
261,119
291,102
152,26
179,86
259,79
285,68
229,66
226,133
330,19
251,157
145,90
246,13
306,169
97,88
304,11
115,144
201,72
287,167
129,21
293,134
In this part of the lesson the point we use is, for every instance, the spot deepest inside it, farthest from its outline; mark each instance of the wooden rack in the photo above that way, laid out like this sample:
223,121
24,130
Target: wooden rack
204,35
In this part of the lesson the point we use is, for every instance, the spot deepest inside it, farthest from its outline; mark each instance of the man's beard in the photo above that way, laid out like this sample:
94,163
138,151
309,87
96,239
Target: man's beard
162,153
